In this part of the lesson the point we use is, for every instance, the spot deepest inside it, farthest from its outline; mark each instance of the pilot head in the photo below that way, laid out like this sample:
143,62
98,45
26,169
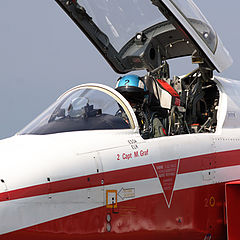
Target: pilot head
133,88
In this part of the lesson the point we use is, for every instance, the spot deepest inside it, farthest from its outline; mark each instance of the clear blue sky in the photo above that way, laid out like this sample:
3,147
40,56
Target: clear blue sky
42,54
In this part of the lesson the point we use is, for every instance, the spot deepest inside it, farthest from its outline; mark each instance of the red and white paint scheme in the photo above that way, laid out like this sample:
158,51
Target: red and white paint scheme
79,171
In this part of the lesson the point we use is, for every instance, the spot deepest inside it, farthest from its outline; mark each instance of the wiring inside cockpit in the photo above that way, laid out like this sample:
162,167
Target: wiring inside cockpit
194,110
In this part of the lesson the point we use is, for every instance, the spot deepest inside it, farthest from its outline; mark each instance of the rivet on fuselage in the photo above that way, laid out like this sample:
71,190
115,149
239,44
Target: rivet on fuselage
109,227
108,218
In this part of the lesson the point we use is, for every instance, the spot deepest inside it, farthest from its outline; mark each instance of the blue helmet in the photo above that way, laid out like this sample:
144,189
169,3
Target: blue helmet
132,87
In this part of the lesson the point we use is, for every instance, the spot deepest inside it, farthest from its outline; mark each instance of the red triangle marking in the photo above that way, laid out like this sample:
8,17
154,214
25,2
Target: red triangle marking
167,171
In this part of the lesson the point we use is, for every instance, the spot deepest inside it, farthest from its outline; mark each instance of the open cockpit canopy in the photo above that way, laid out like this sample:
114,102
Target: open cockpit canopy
141,34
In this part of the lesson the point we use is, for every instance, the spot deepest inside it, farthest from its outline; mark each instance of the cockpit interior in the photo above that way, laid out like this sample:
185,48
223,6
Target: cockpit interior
135,35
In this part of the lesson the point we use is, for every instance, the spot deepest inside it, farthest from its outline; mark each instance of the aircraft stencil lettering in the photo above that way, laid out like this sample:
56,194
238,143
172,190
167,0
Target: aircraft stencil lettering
167,171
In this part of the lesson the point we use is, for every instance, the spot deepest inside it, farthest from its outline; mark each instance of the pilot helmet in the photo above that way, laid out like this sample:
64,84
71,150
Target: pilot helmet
132,87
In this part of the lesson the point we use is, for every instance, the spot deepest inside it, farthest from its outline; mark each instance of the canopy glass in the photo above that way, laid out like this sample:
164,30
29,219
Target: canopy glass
82,108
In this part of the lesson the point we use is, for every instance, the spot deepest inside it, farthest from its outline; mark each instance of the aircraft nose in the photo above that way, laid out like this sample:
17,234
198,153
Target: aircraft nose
40,182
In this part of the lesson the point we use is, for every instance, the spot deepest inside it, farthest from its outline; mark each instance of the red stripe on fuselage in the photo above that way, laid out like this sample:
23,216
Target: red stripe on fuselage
187,165
209,161
190,217
94,180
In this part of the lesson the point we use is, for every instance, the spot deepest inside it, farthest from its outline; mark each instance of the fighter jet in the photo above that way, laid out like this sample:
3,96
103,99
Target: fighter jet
156,158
